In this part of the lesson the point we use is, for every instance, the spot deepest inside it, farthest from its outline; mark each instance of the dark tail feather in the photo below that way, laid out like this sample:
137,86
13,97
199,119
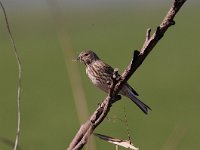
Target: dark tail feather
139,103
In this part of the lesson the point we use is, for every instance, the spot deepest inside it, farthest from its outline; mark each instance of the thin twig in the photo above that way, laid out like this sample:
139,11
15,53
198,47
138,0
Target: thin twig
19,77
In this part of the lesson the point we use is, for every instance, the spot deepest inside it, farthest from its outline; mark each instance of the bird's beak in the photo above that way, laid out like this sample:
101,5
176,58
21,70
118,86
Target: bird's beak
77,59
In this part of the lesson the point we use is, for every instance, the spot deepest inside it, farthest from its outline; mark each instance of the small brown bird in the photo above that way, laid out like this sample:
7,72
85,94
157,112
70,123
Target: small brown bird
100,74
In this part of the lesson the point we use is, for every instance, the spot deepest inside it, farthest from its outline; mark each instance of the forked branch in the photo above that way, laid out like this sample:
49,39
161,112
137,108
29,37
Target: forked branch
101,112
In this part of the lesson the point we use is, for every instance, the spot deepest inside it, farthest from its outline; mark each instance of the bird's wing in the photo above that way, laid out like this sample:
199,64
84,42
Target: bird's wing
109,69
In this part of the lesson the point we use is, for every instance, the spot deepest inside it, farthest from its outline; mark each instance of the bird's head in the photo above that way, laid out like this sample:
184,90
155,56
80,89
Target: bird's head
87,57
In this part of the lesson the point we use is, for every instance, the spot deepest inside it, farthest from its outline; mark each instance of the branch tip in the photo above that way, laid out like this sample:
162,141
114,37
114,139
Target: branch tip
148,34
157,30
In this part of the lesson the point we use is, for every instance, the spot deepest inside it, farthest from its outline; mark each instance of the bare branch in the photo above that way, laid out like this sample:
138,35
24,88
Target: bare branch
159,33
98,116
19,77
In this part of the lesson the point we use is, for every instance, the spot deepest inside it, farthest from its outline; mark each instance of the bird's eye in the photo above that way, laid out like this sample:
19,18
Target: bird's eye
86,54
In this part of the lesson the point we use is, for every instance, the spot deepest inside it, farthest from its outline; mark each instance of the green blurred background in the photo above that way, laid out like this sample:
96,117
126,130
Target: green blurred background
49,34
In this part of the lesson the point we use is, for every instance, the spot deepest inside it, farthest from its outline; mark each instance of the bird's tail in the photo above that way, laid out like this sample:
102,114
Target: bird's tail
138,102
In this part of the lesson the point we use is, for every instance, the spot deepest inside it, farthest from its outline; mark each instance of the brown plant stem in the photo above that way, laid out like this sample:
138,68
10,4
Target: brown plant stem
19,78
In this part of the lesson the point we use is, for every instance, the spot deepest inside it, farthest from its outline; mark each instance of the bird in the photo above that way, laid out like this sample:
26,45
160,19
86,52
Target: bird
101,74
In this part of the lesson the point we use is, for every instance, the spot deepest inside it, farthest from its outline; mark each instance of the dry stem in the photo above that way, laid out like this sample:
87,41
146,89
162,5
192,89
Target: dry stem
19,77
